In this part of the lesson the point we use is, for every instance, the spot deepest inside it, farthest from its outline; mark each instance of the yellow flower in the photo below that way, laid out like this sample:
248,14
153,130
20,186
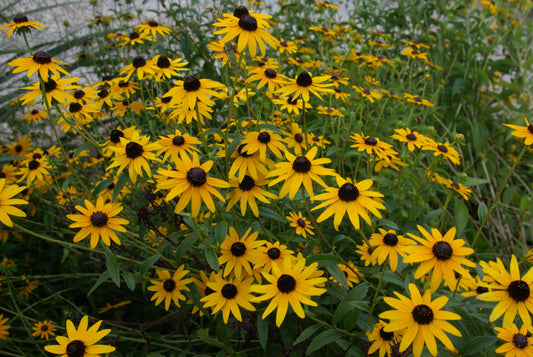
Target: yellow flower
43,328
7,201
41,62
21,25
170,288
525,132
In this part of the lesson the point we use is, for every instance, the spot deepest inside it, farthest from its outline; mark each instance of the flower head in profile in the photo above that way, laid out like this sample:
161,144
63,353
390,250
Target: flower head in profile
523,132
170,288
352,198
305,84
228,295
420,320
417,100
250,28
517,342
239,253
40,62
7,202
98,221
510,290
153,28
43,328
21,25
444,150
292,283
441,253
81,341
298,171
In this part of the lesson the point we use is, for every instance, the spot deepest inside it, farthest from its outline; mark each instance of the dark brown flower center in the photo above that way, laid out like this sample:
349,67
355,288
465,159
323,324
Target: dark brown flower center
42,57
99,219
366,91
191,84
240,11
238,249
530,128
520,340
422,314
208,291
33,165
411,137
178,140
103,93
74,107
50,85
442,148
169,285
263,137
19,18
301,223
417,99
134,35
442,250
44,327
139,62
229,291
123,84
34,112
371,141
283,43
75,348
163,62
390,239
286,283
348,192
247,183
292,101
274,253
387,336
166,100
107,77
455,185
37,156
304,79
301,165
196,176
298,137
248,23
134,150
518,290
18,148
270,73
115,136
481,289
153,23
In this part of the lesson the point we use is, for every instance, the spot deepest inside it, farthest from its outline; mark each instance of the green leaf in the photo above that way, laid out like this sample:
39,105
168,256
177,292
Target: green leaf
147,264
525,201
354,299
323,338
308,332
113,270
65,255
338,274
186,244
102,186
262,331
101,279
460,217
482,211
81,148
203,334
324,259
220,231
212,258
233,146
11,158
129,280
474,181
121,182
478,344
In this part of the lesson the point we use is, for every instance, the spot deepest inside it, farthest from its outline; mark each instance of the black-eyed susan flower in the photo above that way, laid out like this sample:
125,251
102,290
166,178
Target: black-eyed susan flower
191,90
4,327
365,252
247,191
248,164
304,84
57,89
40,62
317,140
21,25
523,132
153,28
414,53
444,150
298,171
412,138
441,253
291,104
272,252
371,95
135,154
98,221
290,283
287,46
35,115
43,329
134,38
267,77
228,295
7,202
190,181
461,189
114,138
170,288
141,67
372,145
417,100
420,320
329,111
9,173
177,145
20,147
388,245
295,139
81,341
167,68
121,87
250,28
66,195
352,198
351,273
300,223
238,253
381,340
517,342
511,290
262,141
